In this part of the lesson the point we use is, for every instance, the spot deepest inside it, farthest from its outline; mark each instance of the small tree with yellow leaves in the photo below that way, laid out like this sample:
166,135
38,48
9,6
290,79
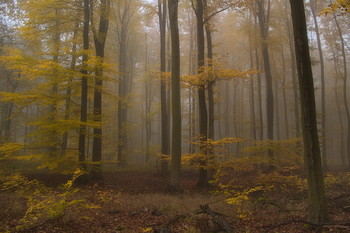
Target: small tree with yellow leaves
203,159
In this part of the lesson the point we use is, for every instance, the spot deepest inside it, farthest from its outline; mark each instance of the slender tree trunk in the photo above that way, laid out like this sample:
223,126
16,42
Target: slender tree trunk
294,81
264,28
345,77
176,101
312,154
54,135
124,82
252,99
285,108
211,84
277,111
99,40
337,98
69,89
163,101
148,106
323,86
84,87
203,117
257,60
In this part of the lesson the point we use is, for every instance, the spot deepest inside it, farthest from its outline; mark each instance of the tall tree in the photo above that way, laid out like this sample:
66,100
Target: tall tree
202,106
124,14
162,6
312,155
99,41
313,7
345,77
263,10
84,84
175,98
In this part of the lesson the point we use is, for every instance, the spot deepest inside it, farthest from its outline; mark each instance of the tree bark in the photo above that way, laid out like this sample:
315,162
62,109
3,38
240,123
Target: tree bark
69,89
264,27
345,77
323,86
312,155
163,101
99,41
176,101
203,116
84,87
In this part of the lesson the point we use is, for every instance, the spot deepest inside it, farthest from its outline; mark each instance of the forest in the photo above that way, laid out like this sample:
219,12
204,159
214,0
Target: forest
174,116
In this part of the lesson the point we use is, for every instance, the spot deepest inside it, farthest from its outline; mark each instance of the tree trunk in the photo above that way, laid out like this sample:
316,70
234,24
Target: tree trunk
176,101
84,87
264,27
323,86
312,155
203,117
124,83
294,81
69,89
261,122
345,77
163,101
252,99
99,40
337,99
285,109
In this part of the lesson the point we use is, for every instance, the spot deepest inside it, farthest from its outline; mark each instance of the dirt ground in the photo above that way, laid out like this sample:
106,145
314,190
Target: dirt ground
140,201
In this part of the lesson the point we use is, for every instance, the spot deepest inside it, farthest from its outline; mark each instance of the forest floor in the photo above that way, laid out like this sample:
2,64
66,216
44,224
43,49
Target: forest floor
140,201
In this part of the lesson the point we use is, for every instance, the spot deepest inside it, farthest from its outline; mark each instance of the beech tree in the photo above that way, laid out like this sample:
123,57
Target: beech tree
99,41
162,9
84,84
175,98
318,213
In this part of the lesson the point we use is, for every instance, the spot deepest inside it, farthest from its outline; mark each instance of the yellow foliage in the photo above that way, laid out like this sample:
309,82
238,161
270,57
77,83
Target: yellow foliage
148,229
205,75
43,203
239,197
209,74
210,149
342,6
8,150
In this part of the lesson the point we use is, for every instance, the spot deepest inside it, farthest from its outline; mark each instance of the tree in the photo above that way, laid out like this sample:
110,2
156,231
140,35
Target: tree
164,116
312,154
175,98
84,84
125,14
99,41
264,18
202,106
345,77
313,7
